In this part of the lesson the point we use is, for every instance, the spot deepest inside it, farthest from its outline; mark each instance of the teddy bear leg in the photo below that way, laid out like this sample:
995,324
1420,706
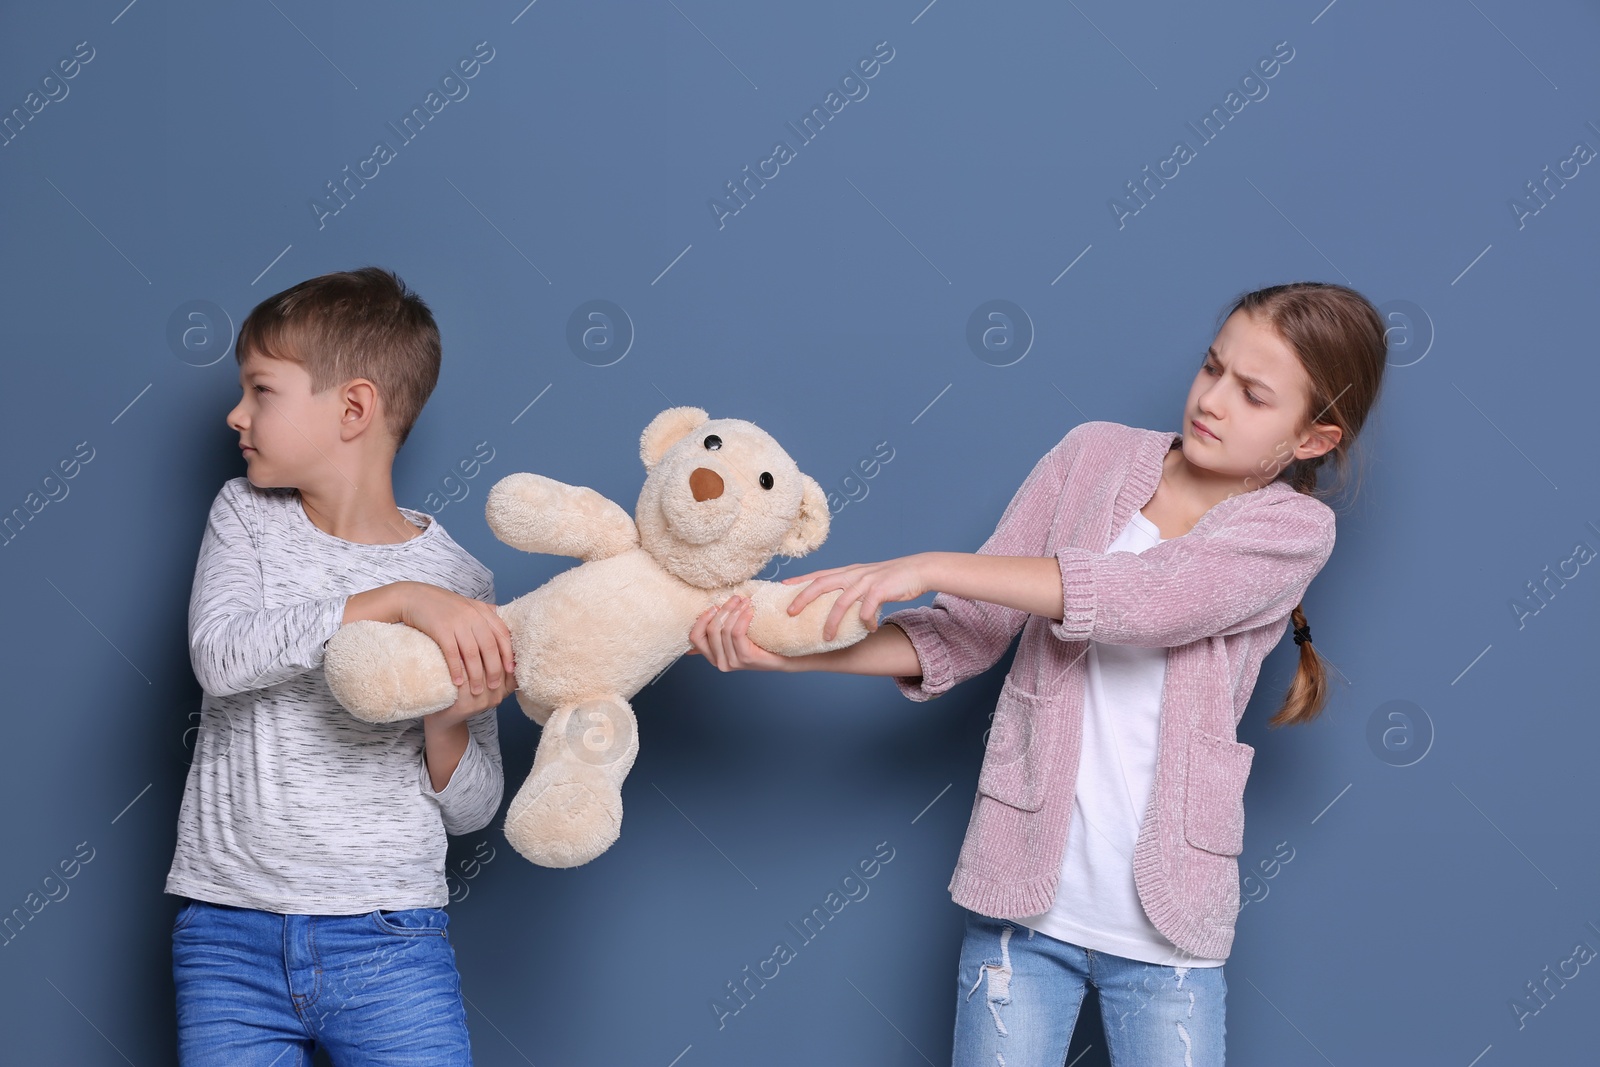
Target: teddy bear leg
387,672
532,708
570,809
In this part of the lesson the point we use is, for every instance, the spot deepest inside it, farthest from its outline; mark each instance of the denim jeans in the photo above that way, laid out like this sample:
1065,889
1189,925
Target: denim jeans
259,989
1019,992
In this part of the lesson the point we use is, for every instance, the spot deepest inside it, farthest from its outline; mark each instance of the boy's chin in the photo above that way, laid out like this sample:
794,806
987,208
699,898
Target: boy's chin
258,476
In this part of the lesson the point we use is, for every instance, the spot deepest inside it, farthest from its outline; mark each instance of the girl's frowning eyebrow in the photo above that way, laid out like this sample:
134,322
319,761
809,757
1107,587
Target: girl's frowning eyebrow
1245,378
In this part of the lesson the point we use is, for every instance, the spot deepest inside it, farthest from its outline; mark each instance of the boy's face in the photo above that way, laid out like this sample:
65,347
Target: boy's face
1251,392
289,430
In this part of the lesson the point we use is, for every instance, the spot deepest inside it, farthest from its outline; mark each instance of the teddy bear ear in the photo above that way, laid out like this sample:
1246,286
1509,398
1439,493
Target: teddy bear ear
666,430
810,527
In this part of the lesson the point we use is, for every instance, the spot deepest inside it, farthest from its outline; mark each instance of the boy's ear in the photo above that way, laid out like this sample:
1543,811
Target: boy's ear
810,527
666,430
361,407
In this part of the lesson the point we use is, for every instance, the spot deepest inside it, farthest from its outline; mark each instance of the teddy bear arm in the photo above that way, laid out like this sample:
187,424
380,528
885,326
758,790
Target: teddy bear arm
387,672
774,629
539,514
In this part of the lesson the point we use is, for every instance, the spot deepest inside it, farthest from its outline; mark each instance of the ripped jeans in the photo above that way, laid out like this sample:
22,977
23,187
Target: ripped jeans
1019,992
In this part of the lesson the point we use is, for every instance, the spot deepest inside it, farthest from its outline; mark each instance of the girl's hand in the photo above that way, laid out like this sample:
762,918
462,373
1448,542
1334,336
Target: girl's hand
722,635
873,584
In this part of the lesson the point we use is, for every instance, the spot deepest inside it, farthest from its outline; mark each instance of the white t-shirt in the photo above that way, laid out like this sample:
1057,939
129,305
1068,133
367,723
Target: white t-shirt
1097,905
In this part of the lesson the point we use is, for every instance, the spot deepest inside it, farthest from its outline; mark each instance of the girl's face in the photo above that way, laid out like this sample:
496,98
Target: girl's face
1247,405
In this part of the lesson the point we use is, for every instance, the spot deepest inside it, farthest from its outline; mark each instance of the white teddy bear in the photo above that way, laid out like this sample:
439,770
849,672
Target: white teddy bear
721,498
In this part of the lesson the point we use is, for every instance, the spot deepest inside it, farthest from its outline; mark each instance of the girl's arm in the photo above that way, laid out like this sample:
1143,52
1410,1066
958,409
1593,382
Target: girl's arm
1237,575
1029,584
1244,571
721,634
1026,583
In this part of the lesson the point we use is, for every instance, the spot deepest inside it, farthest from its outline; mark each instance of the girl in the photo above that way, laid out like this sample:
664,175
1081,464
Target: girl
1150,573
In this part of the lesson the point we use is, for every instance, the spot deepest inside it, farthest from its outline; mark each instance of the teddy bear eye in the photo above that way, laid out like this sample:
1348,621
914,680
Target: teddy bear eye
766,480
713,442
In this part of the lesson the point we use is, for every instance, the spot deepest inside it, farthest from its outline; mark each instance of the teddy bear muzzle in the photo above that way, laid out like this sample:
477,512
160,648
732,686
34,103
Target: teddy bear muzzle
701,506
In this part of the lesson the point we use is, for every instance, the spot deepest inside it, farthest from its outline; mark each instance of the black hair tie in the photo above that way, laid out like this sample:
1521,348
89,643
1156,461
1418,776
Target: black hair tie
1302,634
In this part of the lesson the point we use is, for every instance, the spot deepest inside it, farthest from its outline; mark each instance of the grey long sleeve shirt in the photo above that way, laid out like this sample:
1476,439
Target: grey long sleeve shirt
293,805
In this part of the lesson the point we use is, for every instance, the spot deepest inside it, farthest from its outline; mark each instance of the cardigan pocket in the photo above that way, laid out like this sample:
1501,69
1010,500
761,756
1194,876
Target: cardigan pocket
1213,805
1013,769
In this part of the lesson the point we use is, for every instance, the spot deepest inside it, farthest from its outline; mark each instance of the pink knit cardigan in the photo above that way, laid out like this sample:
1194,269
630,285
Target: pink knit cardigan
1216,598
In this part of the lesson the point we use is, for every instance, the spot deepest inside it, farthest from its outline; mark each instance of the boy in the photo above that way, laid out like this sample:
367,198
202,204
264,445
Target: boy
311,845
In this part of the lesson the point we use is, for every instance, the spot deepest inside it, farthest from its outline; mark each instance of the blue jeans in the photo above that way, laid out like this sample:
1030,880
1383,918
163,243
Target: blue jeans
259,989
1019,992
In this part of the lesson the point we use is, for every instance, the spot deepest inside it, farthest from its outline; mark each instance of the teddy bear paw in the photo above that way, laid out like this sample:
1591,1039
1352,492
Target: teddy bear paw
775,630
564,822
387,672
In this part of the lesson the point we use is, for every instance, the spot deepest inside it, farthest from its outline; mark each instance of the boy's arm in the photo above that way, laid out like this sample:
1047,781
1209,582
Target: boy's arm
476,779
470,798
956,638
234,643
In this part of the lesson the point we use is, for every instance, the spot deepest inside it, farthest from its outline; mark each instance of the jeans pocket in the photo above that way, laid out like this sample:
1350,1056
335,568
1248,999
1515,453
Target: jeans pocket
185,914
411,922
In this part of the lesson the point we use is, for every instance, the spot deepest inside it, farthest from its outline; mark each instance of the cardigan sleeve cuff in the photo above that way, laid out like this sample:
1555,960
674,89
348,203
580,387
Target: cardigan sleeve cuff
937,675
1077,595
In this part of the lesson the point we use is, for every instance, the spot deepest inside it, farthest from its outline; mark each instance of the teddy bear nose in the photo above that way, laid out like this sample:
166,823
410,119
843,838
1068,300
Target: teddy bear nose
705,484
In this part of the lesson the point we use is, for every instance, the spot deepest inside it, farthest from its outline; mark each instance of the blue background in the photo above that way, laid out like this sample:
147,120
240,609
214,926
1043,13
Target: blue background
1441,860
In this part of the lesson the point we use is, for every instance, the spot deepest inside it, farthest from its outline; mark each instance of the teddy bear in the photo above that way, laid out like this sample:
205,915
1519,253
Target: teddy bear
720,499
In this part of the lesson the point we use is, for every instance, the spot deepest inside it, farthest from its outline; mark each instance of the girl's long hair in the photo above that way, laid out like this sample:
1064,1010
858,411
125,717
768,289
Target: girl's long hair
1341,341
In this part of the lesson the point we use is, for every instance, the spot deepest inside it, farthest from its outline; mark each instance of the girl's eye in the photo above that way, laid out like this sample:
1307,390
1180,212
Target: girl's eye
1210,369
262,389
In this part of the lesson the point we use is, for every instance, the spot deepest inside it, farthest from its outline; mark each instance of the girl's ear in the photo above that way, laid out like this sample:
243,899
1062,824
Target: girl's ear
810,527
666,430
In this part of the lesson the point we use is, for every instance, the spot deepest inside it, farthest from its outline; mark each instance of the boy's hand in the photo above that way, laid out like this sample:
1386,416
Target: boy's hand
473,637
469,704
722,635
873,584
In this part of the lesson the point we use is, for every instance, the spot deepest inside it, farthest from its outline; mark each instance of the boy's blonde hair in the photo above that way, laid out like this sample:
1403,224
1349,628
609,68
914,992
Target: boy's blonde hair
353,324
